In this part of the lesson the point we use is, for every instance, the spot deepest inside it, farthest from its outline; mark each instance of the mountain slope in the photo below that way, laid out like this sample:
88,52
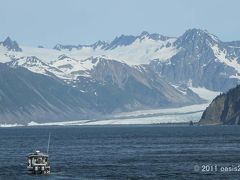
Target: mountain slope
120,87
224,109
27,96
203,60
141,84
42,98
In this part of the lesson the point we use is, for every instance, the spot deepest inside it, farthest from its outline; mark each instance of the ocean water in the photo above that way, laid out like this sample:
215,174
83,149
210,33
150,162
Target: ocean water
124,152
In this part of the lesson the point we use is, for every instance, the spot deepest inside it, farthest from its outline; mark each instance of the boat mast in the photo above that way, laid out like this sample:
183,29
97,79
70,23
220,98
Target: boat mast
49,136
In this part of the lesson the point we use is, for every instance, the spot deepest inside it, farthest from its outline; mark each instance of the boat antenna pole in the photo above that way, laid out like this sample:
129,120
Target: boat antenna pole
49,136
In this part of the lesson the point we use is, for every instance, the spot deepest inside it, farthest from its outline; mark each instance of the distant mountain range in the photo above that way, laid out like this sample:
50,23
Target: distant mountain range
129,73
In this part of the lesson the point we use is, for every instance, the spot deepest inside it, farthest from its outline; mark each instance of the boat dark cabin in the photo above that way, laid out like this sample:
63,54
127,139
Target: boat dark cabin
38,163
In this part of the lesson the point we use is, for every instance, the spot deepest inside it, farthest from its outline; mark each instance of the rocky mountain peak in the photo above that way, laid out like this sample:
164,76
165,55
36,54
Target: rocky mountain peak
122,40
193,37
153,36
11,45
144,33
101,44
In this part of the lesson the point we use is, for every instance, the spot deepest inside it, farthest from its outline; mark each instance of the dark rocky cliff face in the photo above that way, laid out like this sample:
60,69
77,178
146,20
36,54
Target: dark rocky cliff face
224,109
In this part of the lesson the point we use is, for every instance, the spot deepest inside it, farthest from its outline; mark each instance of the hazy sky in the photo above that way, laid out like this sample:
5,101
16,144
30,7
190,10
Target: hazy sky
48,22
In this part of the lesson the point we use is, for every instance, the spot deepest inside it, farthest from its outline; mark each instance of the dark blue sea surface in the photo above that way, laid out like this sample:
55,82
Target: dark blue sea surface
124,152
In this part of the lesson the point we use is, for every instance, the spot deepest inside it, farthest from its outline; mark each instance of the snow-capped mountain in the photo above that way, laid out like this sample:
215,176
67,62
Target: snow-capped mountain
103,87
133,50
123,87
135,72
36,65
73,67
202,60
196,58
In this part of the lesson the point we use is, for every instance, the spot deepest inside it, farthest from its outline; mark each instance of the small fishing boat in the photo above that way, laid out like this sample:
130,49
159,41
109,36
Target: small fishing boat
38,162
